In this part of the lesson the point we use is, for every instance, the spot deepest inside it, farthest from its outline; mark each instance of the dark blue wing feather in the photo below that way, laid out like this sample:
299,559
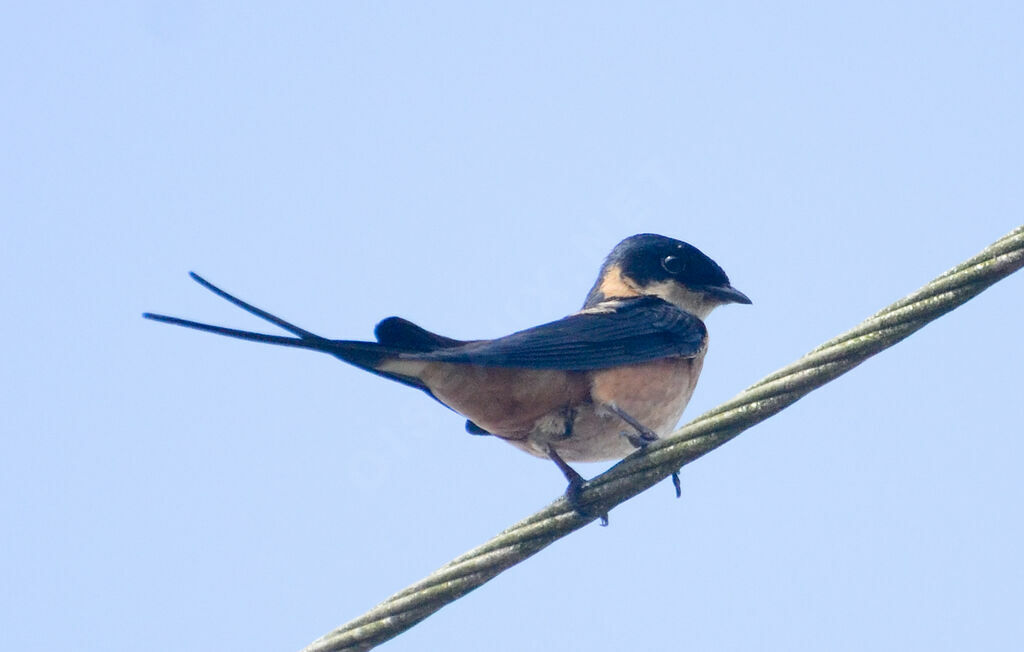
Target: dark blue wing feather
630,332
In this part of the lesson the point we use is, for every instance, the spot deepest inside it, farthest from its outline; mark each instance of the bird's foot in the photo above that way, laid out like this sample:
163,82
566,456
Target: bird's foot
641,439
572,494
574,490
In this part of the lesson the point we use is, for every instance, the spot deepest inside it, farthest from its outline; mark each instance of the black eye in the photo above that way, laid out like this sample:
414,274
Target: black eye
673,264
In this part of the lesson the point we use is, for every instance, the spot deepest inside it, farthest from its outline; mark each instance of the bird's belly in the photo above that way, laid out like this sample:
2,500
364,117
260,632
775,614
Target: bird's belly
655,394
596,436
532,409
507,402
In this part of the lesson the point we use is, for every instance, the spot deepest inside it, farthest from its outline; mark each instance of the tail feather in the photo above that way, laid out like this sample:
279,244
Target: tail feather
299,342
248,307
366,355
396,338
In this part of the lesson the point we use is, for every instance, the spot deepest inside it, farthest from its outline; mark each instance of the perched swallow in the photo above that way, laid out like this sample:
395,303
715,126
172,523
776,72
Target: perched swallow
592,386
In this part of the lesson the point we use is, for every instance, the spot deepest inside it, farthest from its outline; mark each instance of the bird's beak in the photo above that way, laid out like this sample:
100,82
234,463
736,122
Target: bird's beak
727,294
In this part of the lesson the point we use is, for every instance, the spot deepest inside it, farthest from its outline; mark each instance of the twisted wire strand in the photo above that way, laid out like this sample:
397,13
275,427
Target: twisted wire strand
646,468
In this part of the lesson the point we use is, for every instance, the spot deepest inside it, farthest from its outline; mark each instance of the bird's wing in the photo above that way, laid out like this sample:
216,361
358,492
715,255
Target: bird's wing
619,332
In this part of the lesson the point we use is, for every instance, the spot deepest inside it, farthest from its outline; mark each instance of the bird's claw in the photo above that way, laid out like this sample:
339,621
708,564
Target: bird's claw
573,493
639,439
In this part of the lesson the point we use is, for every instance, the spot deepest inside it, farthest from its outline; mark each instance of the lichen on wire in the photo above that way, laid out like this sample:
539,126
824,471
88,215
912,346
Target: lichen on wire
646,468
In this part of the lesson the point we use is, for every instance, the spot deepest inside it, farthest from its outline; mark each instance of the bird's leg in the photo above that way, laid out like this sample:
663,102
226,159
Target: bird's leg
572,492
643,435
642,438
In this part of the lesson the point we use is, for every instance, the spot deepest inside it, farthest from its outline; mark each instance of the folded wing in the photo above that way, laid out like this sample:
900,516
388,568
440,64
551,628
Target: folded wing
620,332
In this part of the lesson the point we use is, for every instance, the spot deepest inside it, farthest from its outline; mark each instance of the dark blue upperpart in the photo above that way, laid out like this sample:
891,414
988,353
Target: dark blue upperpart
650,258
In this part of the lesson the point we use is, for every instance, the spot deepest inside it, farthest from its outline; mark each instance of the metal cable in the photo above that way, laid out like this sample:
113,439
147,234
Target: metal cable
646,468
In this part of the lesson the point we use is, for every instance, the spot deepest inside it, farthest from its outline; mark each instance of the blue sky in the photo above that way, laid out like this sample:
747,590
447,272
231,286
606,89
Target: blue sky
467,167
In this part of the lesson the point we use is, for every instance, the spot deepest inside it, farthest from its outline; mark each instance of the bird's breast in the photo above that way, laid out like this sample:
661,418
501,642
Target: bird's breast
654,393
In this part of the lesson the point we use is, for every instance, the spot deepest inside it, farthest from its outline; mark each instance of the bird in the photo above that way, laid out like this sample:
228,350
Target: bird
592,386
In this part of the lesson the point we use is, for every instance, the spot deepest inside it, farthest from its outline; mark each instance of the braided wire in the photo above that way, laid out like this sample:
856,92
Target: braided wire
646,468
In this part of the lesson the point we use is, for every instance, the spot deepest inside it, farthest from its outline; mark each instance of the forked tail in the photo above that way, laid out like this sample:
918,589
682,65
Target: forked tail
366,355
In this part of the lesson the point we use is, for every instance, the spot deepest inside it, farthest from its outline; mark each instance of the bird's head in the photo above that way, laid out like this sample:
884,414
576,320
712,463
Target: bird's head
650,264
